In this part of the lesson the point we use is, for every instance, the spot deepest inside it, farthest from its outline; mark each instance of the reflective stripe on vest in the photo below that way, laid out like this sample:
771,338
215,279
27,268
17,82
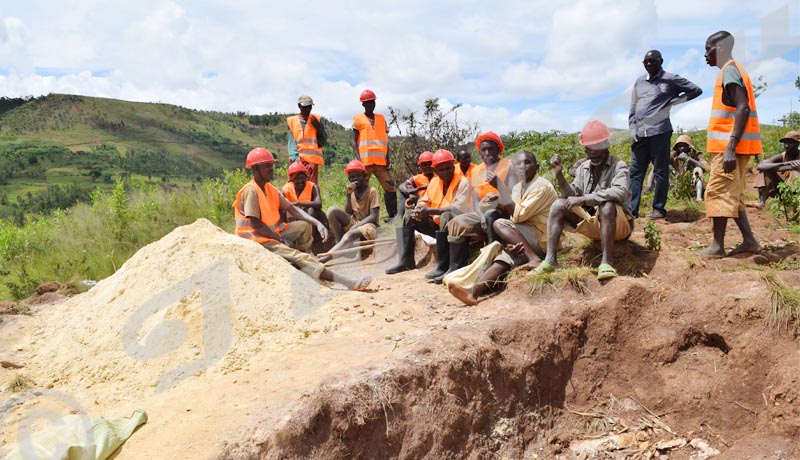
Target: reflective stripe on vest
306,138
269,203
440,199
478,180
291,194
373,141
721,119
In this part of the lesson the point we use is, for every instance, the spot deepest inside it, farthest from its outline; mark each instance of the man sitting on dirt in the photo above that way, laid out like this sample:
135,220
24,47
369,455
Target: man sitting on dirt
477,225
596,204
685,158
778,168
304,194
415,186
359,219
448,194
257,213
524,235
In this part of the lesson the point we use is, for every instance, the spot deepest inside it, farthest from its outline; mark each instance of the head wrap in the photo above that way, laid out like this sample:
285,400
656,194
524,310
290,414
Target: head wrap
490,136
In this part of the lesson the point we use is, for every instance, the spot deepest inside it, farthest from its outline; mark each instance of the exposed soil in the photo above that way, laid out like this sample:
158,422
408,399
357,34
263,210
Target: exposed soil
676,350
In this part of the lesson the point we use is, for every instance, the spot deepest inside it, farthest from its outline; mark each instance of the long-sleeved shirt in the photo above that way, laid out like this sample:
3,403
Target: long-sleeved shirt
613,184
652,99
291,143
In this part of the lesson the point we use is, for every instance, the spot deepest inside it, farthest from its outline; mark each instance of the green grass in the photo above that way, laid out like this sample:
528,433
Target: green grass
572,277
20,383
784,304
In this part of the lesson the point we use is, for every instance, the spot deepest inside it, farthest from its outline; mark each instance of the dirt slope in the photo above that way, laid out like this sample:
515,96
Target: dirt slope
678,350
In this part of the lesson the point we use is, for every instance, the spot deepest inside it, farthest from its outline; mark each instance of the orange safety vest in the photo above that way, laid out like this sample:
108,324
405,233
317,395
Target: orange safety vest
291,195
479,173
373,142
720,124
439,198
269,203
419,181
307,146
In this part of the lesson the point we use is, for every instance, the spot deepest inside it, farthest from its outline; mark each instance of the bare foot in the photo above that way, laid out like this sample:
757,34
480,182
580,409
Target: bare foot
745,248
711,252
462,294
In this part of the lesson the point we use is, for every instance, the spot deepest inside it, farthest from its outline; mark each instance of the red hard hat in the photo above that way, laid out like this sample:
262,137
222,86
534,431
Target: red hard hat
297,168
257,156
425,157
367,95
594,132
355,165
442,156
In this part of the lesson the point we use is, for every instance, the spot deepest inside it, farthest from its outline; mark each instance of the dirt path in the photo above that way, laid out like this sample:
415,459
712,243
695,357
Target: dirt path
678,349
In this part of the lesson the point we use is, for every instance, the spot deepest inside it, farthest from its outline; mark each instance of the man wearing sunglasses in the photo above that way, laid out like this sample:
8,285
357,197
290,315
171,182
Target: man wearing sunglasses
653,96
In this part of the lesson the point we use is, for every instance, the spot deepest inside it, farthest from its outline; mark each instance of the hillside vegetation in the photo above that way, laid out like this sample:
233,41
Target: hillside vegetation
67,145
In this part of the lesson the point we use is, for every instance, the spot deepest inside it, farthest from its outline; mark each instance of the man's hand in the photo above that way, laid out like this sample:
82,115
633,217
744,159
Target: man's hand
555,163
351,187
573,201
491,178
323,232
729,158
515,249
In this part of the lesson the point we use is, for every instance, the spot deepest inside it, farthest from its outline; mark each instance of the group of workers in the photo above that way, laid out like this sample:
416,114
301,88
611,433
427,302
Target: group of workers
461,205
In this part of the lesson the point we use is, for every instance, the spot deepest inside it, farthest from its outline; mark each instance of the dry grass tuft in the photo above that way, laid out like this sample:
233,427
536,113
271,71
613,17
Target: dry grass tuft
784,303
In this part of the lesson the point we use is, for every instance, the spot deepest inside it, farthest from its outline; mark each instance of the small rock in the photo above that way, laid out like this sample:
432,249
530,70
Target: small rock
47,287
346,308
671,444
642,436
389,319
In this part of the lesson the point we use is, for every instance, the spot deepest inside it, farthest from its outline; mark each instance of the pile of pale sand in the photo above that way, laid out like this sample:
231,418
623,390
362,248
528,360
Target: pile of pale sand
198,301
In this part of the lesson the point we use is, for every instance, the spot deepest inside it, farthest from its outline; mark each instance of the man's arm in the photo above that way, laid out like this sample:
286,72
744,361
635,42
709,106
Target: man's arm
322,135
564,187
740,101
299,214
291,147
354,144
771,163
617,192
686,90
632,111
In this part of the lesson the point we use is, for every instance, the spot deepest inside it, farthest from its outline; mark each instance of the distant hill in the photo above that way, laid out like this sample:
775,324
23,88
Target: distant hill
81,142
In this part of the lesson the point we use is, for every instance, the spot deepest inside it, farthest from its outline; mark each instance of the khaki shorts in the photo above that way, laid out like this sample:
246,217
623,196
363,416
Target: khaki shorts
725,191
590,225
367,230
299,234
529,235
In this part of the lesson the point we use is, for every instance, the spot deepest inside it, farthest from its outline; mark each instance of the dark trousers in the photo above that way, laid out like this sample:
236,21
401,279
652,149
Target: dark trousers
653,149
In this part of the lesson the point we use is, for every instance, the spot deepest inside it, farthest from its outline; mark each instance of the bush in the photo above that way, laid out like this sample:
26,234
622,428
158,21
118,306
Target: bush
786,203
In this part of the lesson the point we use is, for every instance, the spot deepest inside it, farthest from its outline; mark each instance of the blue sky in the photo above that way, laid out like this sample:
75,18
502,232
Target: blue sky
513,65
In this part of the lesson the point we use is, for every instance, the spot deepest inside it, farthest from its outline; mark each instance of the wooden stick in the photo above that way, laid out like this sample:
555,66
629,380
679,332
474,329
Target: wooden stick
355,249
371,242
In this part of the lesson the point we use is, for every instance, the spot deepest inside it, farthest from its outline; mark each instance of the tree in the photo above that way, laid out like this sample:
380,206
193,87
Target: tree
436,130
759,86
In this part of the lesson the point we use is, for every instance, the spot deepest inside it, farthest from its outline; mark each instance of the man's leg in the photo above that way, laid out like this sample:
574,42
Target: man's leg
338,221
717,246
484,283
608,230
558,217
509,234
640,160
659,153
299,235
389,190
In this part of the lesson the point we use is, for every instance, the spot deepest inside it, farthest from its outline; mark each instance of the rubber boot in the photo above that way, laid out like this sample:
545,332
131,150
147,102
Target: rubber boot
442,256
490,217
405,251
459,256
390,198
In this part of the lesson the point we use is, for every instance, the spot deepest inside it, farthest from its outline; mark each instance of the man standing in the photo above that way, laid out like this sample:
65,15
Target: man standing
733,137
370,144
306,138
778,168
257,213
596,204
653,96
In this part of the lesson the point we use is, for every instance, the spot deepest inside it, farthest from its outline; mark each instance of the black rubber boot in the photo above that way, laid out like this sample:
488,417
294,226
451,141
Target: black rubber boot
459,256
490,217
390,198
405,250
442,256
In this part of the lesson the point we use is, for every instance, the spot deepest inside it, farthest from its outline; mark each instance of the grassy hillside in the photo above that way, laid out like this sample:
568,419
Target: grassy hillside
59,142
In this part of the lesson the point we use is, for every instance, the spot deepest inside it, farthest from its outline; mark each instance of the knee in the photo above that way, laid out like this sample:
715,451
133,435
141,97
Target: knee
608,210
558,209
